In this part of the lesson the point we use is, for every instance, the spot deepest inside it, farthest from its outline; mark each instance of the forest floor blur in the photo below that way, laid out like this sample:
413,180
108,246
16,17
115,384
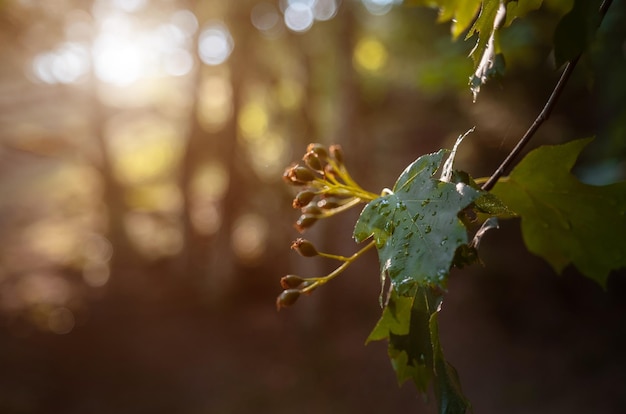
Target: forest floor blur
524,341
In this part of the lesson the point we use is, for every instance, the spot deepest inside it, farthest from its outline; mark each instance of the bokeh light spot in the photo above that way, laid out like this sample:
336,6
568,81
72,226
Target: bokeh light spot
178,62
186,21
379,7
130,5
61,320
264,17
324,10
96,274
253,121
215,44
66,64
289,93
215,103
370,54
249,236
154,235
268,155
143,149
299,17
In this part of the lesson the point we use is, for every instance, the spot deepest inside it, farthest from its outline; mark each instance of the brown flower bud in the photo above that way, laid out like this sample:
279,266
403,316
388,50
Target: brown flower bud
303,198
337,153
329,171
287,298
317,149
313,161
328,203
311,209
305,221
298,175
291,281
304,248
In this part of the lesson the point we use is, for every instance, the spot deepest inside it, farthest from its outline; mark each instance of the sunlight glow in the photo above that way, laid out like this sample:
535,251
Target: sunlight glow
143,149
118,60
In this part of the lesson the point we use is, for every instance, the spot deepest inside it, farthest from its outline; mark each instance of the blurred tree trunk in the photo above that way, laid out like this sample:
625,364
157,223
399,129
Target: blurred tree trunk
347,130
191,258
113,195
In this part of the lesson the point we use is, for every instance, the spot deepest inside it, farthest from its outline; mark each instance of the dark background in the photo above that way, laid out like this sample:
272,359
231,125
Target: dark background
144,225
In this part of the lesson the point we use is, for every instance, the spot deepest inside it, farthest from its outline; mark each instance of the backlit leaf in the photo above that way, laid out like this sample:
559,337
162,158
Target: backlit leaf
520,8
564,220
461,12
487,60
416,228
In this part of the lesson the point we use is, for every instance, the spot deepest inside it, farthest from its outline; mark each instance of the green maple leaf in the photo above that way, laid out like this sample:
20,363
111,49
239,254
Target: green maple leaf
461,12
410,326
416,228
564,220
487,60
520,8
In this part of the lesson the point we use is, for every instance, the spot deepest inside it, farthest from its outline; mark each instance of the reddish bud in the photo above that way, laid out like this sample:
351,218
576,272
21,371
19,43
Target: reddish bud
312,209
298,175
317,149
313,161
305,221
287,298
304,248
337,153
328,203
303,198
291,281
329,171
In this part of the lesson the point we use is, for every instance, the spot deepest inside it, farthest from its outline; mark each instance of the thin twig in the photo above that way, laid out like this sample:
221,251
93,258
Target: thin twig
543,115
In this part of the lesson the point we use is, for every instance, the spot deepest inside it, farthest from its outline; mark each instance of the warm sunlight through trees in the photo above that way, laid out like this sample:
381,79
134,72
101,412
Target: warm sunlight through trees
144,219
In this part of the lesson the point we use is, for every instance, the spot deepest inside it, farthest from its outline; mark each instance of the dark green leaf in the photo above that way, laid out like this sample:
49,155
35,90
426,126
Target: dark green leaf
576,30
564,220
416,228
410,326
447,383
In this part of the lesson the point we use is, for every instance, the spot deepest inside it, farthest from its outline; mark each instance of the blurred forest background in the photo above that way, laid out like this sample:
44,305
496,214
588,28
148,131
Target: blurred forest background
144,224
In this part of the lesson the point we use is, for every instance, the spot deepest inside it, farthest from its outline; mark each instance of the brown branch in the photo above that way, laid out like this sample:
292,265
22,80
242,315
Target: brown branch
543,115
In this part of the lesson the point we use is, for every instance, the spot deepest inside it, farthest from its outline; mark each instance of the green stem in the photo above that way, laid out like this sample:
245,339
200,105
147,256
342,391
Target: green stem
342,207
348,261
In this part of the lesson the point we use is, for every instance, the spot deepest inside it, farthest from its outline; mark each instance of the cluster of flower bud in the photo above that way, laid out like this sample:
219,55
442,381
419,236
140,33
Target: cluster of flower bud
294,286
325,187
